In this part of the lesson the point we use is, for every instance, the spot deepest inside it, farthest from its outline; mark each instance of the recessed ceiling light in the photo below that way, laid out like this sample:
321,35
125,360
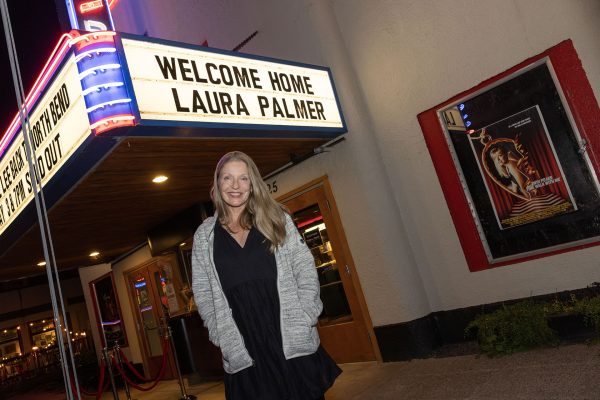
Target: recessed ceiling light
94,254
41,264
182,244
160,179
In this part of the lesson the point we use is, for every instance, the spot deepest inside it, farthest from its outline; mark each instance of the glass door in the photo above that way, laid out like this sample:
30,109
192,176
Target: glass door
344,325
148,313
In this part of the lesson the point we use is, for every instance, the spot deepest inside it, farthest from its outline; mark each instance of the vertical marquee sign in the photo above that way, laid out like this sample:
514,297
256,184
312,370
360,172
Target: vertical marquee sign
91,15
57,127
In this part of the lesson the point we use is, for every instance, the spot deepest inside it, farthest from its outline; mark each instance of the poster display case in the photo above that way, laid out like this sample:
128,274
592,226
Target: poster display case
517,157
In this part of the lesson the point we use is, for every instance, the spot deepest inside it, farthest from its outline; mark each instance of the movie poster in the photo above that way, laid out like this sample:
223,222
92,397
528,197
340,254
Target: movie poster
523,167
522,174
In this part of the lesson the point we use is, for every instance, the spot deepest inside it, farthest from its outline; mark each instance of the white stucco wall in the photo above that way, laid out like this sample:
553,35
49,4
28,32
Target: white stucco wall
390,61
410,56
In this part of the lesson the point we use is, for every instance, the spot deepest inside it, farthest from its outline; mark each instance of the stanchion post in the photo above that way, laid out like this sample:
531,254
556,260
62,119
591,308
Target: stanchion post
110,373
184,395
117,351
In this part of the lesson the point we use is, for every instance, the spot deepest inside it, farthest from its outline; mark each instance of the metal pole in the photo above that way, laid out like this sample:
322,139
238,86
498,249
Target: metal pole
110,374
117,350
184,395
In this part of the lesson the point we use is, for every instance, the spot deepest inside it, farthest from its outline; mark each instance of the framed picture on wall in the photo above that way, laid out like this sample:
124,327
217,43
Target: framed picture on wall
108,311
517,157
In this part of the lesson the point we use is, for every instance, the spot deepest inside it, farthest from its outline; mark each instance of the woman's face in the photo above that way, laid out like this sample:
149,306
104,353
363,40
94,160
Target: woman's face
234,184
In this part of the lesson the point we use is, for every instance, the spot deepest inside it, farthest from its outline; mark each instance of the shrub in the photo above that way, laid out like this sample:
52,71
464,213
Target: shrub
517,327
589,308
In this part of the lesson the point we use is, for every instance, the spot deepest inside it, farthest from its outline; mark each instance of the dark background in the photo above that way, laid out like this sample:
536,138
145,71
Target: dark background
36,28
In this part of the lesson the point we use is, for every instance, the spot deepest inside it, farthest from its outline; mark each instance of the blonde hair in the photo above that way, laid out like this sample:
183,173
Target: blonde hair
261,211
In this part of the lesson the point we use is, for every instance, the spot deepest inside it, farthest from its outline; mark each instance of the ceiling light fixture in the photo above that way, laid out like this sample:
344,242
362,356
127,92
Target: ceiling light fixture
94,254
160,179
41,264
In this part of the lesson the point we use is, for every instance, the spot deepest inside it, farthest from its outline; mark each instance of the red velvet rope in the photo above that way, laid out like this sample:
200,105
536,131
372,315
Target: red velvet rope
101,385
158,377
132,368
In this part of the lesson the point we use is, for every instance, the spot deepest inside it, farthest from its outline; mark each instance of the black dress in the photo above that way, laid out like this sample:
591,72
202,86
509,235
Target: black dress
249,278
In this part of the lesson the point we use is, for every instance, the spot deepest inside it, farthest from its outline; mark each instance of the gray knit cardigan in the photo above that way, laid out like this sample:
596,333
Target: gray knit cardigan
297,284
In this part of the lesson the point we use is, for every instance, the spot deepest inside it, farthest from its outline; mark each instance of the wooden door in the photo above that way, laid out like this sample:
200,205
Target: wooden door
344,325
150,307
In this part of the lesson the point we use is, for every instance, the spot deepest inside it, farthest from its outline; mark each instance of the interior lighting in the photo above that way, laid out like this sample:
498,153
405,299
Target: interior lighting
94,254
160,179
41,264
310,221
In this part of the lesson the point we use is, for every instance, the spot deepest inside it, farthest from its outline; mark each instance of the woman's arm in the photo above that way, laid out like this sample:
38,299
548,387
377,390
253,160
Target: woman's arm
305,273
201,285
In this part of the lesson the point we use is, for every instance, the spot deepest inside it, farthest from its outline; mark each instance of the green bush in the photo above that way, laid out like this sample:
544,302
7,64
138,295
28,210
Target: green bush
517,327
589,308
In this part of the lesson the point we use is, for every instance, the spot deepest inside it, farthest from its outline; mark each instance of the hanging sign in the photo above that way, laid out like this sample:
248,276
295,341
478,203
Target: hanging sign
204,86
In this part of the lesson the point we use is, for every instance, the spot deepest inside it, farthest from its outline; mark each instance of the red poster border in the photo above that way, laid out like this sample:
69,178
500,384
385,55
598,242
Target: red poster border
586,115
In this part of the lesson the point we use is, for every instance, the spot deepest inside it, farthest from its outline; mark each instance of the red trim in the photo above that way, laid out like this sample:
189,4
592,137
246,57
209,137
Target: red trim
62,47
310,221
584,108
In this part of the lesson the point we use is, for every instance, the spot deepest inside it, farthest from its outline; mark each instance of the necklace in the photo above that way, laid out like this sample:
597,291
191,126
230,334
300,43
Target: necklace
239,235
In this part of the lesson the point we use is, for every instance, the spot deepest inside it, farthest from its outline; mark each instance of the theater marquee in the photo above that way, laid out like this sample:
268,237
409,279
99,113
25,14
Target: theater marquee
175,83
100,87
57,127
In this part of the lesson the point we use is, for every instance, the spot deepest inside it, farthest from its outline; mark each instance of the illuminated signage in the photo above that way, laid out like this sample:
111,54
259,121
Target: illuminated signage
90,15
57,127
173,83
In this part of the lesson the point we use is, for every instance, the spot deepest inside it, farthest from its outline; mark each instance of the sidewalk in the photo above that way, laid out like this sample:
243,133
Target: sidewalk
568,372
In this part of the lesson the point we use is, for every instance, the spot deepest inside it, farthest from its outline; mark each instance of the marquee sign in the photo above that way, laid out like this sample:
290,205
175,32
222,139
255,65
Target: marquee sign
204,86
100,85
58,125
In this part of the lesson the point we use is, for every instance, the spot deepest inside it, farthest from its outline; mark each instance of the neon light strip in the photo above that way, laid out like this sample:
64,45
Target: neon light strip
94,5
48,70
112,123
95,70
146,309
114,119
90,53
98,88
72,16
111,323
108,103
92,37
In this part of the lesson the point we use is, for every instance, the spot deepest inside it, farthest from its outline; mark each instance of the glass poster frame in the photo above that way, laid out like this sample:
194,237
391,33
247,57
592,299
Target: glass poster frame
524,157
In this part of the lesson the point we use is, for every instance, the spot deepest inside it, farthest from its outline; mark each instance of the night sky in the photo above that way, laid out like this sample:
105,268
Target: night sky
36,30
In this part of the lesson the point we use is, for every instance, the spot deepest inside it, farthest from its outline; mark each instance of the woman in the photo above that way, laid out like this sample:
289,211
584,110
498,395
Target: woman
257,290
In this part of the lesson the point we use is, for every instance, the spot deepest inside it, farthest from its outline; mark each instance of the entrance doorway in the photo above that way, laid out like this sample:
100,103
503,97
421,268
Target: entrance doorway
344,325
150,304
